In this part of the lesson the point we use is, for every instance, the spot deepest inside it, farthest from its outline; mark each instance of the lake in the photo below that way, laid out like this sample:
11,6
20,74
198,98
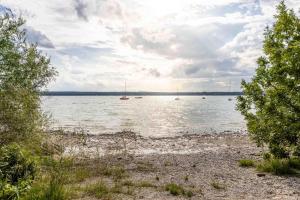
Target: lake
155,116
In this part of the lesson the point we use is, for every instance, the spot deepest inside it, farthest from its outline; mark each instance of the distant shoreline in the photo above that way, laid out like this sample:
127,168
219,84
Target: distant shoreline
77,93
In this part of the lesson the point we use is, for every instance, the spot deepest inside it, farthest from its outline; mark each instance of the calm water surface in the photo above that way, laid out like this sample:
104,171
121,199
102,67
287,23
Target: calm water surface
150,116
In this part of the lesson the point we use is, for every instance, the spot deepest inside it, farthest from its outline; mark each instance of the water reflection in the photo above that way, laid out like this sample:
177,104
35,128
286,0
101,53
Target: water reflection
150,116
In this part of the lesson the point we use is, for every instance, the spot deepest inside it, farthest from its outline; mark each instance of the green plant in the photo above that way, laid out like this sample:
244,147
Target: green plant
294,163
276,166
117,172
271,100
145,184
280,166
24,71
217,185
267,156
99,190
17,171
189,193
55,190
175,189
246,163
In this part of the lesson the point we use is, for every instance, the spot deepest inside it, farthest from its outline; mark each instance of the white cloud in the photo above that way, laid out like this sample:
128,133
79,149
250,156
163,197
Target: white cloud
154,45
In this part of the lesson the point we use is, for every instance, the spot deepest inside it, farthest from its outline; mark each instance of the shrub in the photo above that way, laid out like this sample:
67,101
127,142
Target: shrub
24,71
246,163
270,103
294,163
99,190
189,193
267,156
175,189
276,166
55,190
17,171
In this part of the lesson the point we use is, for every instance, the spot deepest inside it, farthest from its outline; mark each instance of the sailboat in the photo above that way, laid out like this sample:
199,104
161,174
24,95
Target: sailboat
177,98
229,99
124,97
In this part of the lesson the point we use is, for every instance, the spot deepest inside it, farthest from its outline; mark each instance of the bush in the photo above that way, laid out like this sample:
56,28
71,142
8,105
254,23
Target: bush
99,190
270,103
24,71
175,189
278,166
17,171
294,163
55,190
246,163
267,156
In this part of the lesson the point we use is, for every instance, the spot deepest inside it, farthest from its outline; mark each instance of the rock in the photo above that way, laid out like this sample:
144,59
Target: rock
261,174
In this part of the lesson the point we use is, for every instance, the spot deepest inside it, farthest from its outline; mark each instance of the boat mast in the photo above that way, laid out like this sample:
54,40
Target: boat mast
125,88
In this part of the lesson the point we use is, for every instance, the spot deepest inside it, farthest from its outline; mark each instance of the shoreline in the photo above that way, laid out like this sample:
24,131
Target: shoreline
195,162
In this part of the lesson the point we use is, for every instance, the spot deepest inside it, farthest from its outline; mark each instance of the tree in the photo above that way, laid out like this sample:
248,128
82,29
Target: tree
24,71
271,100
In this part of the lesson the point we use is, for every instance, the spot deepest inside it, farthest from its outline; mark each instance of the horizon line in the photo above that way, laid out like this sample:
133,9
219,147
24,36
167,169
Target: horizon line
133,93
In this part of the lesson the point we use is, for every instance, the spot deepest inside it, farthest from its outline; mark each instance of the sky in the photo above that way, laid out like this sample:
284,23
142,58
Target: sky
153,45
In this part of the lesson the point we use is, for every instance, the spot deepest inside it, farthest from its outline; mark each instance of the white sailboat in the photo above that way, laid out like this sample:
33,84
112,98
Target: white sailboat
229,99
124,97
177,98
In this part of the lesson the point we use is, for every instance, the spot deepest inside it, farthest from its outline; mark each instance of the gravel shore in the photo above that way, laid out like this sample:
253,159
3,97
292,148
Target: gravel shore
195,162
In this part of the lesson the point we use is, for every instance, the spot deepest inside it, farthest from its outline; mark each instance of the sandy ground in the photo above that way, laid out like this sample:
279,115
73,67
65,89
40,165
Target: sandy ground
193,161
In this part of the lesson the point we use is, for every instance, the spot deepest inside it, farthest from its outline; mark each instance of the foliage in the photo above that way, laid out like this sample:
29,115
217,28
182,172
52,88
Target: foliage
24,71
99,190
267,156
271,100
280,166
17,171
176,190
246,163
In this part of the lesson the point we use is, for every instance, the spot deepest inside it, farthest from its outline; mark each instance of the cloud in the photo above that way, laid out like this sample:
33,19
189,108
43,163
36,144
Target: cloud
154,72
200,45
34,36
182,41
81,9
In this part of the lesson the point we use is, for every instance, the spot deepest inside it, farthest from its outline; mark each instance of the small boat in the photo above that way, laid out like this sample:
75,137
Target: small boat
229,99
203,98
177,98
138,97
124,97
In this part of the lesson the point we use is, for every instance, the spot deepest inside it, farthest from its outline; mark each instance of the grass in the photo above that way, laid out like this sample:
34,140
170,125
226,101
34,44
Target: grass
145,184
280,166
217,185
103,191
145,167
176,190
117,172
142,184
50,188
246,163
99,190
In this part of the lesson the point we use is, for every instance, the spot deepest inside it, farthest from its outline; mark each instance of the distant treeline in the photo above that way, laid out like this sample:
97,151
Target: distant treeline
73,93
